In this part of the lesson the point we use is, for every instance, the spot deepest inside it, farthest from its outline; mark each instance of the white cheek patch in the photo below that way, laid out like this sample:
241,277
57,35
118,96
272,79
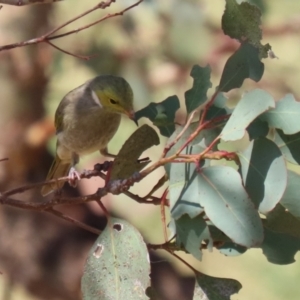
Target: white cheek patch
96,99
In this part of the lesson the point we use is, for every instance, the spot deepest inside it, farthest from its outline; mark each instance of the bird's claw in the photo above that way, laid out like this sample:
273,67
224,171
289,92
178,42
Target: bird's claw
74,177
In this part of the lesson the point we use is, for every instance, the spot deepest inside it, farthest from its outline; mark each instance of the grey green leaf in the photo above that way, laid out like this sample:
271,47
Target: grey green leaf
191,233
291,196
285,115
264,173
289,145
248,109
109,272
228,206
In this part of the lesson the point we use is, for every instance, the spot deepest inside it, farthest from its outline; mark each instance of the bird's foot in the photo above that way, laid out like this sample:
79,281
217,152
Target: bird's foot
74,176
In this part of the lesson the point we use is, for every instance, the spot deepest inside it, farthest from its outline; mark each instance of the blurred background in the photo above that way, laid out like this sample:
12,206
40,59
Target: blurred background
154,47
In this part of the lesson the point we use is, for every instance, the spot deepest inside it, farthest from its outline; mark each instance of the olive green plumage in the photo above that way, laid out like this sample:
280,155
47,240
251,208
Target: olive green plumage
86,120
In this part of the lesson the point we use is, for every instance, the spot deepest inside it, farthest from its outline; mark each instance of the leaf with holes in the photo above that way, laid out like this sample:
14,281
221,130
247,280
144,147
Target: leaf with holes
248,109
264,173
109,272
228,206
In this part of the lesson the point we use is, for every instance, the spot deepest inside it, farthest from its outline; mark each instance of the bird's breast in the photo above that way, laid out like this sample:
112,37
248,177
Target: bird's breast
89,131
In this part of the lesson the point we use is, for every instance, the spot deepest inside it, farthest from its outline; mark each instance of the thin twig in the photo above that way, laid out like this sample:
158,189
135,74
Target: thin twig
84,57
207,106
73,221
189,121
26,2
47,37
193,136
163,212
108,16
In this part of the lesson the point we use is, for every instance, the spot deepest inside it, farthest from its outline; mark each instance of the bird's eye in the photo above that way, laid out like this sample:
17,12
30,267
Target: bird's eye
112,101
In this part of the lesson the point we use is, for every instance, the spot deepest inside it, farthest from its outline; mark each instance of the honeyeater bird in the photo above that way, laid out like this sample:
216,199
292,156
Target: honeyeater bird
86,120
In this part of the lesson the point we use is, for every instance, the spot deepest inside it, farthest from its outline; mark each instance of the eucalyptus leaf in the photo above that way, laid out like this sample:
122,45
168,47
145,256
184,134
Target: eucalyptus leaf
280,248
228,206
161,114
232,249
109,272
285,115
126,163
248,109
196,96
183,191
243,22
191,233
281,220
289,145
215,288
257,129
291,196
264,173
242,64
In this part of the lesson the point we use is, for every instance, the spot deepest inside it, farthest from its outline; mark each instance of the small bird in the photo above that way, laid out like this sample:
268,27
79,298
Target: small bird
86,119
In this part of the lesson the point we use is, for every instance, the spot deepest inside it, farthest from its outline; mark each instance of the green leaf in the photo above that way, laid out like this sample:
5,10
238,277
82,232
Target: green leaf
214,288
109,272
228,206
257,129
264,173
248,109
192,127
285,115
184,198
280,220
242,22
280,248
161,114
126,163
291,196
232,249
227,247
289,145
242,64
196,96
191,233
259,3
219,108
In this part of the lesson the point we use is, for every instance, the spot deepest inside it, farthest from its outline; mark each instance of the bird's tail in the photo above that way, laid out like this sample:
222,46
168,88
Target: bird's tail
58,169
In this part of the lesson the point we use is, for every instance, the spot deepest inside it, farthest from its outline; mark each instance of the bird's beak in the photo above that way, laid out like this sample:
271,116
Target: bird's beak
131,115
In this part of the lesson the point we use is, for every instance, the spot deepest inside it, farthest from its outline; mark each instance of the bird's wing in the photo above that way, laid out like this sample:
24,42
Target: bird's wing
68,103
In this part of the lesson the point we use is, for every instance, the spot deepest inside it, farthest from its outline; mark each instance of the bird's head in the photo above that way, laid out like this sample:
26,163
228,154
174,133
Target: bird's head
114,94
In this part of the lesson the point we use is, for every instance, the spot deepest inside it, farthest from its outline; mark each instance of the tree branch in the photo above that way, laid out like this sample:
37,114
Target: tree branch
48,36
26,2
